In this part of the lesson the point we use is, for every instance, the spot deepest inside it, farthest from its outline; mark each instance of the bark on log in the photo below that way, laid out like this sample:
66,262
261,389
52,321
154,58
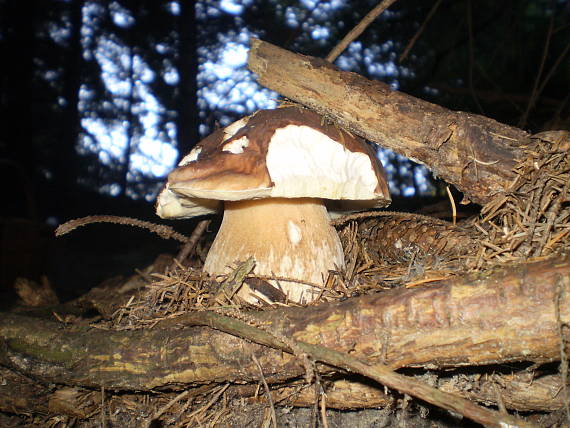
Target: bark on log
504,317
516,392
19,394
473,152
520,392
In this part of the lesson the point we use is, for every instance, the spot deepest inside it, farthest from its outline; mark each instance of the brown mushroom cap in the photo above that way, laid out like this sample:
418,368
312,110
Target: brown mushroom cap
287,153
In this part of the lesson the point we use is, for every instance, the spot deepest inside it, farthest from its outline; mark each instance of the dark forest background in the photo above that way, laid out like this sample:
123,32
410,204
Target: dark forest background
99,98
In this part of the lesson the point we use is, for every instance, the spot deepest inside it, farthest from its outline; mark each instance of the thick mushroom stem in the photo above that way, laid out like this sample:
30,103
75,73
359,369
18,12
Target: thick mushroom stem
289,238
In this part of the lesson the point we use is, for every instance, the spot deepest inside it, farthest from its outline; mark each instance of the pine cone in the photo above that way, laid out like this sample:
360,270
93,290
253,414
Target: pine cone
402,237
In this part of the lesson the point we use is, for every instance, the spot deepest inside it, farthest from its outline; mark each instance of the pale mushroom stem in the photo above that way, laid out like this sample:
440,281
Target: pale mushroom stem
290,238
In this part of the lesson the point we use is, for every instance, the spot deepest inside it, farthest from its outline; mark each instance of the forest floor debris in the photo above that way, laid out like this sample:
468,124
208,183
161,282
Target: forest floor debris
528,222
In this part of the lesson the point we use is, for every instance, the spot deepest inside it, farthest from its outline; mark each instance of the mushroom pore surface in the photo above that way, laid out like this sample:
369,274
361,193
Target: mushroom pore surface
289,238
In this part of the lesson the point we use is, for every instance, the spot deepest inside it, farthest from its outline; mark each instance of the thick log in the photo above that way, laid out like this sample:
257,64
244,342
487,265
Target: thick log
508,316
520,392
472,152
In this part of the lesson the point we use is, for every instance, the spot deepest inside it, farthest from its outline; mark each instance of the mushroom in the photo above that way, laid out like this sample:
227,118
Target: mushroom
273,172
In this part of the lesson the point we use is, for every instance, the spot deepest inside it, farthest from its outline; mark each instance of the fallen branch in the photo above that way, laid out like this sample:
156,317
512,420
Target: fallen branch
379,372
520,392
473,152
503,317
190,244
359,29
165,232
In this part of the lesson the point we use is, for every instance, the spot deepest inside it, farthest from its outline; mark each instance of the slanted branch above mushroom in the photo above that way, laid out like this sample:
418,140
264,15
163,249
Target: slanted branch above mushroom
273,172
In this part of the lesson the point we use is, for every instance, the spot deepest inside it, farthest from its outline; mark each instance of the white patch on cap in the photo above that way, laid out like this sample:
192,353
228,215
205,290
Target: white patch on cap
191,157
236,147
233,128
294,232
304,162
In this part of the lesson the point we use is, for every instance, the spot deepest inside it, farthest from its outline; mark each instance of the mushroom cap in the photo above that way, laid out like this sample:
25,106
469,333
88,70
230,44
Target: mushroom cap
287,152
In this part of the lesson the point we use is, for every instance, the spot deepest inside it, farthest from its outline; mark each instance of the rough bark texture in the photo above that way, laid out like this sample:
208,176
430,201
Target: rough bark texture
19,394
472,152
520,392
22,395
504,317
517,392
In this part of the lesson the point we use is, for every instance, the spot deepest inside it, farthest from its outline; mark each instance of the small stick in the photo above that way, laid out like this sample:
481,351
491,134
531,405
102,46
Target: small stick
471,57
553,69
419,32
193,240
324,410
534,93
360,27
453,208
168,405
210,403
267,391
163,231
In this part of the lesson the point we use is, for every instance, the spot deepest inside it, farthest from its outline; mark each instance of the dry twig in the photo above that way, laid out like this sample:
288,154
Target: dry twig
267,390
419,32
535,89
163,231
193,240
167,406
359,29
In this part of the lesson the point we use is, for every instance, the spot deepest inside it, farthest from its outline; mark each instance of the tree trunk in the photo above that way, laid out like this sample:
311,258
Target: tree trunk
187,99
18,159
473,152
66,162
